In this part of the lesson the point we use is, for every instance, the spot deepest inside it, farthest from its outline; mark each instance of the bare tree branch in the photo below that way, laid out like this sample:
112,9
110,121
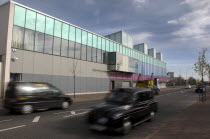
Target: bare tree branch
200,66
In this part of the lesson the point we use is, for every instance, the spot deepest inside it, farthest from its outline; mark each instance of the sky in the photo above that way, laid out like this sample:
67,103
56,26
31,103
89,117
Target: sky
177,28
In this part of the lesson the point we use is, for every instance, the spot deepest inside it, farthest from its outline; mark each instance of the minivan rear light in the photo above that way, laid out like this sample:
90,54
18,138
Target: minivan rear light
21,98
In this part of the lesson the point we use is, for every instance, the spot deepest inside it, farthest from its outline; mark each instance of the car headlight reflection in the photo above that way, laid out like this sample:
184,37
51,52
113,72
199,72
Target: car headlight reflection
102,120
116,116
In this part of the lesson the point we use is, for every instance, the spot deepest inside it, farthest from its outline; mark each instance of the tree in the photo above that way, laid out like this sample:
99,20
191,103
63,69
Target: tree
201,64
192,80
180,80
208,71
75,72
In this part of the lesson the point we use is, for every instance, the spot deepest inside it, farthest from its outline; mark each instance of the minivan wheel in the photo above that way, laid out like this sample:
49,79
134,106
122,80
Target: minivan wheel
26,109
65,105
127,126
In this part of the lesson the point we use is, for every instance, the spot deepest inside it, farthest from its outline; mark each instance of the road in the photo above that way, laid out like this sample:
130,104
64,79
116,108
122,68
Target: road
71,123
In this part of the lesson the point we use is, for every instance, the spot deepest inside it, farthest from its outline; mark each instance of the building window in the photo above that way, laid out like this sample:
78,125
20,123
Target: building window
30,19
99,43
103,44
56,46
64,48
107,45
95,41
84,52
57,29
114,47
84,37
90,39
19,17
17,38
71,49
72,33
78,51
65,31
29,39
40,23
49,26
39,42
78,35
94,54
48,44
89,53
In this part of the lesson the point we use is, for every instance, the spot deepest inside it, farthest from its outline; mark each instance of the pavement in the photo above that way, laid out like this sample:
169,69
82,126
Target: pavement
193,123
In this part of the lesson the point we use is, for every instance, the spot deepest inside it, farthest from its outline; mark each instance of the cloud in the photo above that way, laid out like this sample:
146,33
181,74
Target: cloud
139,3
195,23
142,37
90,2
172,22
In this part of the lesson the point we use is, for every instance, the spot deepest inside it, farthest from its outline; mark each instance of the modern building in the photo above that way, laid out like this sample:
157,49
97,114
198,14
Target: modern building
40,48
170,76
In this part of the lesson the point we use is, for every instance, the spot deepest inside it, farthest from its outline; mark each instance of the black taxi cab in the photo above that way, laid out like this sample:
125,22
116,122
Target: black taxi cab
25,97
124,108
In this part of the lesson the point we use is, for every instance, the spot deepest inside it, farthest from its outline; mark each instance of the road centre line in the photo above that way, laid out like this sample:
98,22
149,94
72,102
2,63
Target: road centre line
36,119
6,120
75,114
70,111
12,128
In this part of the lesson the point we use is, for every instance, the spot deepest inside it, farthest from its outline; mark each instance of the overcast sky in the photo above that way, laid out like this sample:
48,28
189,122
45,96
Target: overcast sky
177,28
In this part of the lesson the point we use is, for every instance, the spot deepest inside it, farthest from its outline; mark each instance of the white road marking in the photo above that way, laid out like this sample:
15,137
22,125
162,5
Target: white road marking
73,112
76,114
70,111
11,128
6,120
61,112
36,119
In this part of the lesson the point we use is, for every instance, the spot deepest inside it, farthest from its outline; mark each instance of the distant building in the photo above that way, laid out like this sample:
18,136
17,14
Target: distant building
170,75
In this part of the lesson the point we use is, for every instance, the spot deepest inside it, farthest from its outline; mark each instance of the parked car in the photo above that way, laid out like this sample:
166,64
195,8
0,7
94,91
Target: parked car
25,97
188,86
124,108
200,89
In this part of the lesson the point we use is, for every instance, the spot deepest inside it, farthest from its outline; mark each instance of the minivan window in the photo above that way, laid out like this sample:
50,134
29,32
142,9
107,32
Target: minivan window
32,88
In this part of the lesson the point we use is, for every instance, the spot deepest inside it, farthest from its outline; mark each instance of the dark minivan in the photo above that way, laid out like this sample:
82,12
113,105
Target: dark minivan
25,97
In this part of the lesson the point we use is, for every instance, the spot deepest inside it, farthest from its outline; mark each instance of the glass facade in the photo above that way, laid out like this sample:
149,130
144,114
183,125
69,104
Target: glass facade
37,32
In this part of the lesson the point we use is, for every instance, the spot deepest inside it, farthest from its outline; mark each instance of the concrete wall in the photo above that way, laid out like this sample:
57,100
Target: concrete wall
122,62
6,24
91,77
66,83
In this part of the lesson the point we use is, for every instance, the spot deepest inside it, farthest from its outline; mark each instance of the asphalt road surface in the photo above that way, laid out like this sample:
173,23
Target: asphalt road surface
71,123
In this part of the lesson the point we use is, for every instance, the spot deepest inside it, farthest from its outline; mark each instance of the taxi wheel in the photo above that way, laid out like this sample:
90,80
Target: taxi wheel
127,126
12,111
65,105
26,109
